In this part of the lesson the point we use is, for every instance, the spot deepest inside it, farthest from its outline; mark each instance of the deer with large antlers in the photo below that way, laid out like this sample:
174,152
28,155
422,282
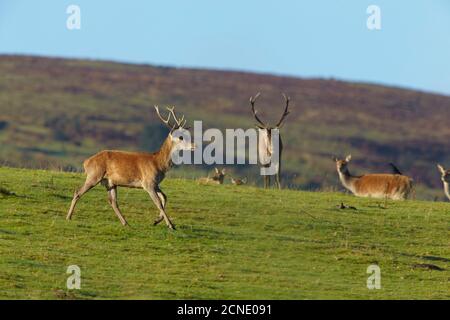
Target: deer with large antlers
136,169
265,146
445,177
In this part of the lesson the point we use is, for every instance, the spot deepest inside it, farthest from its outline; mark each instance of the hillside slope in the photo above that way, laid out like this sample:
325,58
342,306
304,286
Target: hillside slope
231,243
56,112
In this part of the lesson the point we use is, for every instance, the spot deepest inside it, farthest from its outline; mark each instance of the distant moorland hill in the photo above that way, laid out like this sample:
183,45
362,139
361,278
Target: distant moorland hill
55,112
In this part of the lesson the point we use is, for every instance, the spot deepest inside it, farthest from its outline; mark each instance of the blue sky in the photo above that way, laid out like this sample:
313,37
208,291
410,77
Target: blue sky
315,38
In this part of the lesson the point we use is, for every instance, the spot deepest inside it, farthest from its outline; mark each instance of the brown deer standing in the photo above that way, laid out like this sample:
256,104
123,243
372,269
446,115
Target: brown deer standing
445,177
265,149
389,186
217,178
135,170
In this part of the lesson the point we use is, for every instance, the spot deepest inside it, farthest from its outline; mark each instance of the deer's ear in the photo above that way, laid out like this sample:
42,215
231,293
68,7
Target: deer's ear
441,168
348,158
335,159
223,171
217,170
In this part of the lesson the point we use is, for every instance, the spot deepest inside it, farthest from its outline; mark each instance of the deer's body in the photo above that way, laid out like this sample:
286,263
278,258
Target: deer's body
143,170
445,177
127,169
391,186
238,182
265,153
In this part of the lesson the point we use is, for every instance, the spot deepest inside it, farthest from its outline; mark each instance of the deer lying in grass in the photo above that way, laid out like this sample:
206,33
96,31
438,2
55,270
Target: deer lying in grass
445,177
217,178
238,182
389,186
135,170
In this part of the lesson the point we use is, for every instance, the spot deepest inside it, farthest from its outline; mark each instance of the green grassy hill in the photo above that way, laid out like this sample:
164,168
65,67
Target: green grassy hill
56,112
231,242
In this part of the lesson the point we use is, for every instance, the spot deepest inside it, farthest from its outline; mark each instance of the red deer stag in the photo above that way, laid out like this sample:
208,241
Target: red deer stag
445,177
390,186
136,169
265,146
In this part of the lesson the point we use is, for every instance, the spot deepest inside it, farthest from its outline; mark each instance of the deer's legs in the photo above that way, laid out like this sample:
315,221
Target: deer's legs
266,182
112,197
161,196
153,192
163,199
278,182
88,185
158,220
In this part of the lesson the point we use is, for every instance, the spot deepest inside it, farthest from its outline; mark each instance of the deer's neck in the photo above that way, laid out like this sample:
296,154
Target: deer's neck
164,155
347,180
219,179
447,189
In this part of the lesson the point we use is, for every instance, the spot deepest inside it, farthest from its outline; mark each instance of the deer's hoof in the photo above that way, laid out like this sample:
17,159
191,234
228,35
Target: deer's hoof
157,221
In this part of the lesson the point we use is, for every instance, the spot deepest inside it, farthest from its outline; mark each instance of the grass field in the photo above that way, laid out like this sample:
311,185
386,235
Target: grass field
231,243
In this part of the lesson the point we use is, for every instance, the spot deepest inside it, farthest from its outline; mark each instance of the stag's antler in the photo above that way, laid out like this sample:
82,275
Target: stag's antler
165,121
252,102
285,113
179,123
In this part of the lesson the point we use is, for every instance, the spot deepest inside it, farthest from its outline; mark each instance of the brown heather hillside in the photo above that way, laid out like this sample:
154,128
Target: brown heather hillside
55,112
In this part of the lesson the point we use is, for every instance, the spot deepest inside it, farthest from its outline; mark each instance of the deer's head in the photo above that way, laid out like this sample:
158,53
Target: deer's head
179,136
219,175
445,174
341,164
264,127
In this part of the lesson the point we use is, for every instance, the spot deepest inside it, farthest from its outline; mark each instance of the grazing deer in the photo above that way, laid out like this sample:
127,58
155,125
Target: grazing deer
390,186
238,182
136,170
217,178
445,177
265,140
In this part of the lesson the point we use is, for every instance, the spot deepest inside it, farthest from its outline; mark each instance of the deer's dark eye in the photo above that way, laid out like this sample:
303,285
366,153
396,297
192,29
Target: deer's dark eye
181,138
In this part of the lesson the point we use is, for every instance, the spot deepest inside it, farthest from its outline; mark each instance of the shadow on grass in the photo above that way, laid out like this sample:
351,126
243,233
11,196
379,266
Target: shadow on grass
7,193
434,258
